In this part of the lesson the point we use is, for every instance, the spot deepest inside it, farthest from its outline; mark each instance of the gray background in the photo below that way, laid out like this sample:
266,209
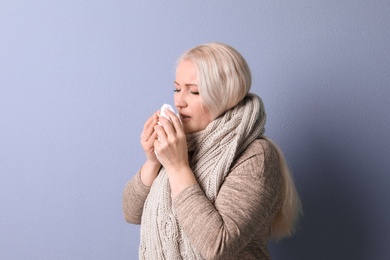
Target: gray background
79,78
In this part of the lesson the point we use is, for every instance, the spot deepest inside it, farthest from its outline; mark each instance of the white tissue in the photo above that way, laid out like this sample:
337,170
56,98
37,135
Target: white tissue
164,108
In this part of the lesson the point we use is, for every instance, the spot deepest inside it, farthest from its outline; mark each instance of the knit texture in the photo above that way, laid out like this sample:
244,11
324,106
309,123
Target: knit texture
214,150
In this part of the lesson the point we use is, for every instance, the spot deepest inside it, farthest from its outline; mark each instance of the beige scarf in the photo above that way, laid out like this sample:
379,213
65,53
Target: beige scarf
214,150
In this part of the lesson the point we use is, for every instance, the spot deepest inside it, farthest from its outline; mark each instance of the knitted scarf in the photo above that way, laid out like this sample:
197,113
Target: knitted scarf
214,150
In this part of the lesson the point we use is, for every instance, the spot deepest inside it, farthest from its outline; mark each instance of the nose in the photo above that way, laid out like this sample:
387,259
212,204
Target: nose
180,99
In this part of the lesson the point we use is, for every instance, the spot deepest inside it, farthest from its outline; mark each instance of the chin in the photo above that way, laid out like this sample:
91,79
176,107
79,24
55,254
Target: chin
188,131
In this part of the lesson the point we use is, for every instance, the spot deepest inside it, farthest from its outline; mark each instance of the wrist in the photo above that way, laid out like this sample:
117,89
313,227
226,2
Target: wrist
180,179
149,172
152,163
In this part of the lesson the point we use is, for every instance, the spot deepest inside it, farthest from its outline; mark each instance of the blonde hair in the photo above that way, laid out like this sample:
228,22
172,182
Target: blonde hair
285,222
223,74
224,80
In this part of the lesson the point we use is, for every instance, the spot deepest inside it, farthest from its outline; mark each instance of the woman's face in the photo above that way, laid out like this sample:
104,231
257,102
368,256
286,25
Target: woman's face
188,101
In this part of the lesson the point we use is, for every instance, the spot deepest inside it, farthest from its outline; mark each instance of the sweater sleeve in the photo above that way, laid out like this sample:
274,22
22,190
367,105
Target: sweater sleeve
244,208
133,199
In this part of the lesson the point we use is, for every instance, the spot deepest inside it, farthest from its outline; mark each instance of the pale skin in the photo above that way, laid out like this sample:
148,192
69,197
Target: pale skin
168,140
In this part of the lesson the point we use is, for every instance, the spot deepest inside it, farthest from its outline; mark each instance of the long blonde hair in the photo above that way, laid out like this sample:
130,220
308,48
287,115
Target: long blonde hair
286,220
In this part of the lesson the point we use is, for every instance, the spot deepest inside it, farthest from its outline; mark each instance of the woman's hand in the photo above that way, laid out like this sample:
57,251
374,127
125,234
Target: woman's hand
172,152
171,144
148,136
152,165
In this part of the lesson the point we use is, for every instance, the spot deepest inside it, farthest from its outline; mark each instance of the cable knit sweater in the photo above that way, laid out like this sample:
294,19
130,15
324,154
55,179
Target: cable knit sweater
238,224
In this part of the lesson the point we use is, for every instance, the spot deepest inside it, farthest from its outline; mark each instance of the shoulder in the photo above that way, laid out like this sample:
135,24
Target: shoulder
261,150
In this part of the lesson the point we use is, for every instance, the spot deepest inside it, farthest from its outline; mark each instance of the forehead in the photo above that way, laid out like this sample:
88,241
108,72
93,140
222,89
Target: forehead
186,71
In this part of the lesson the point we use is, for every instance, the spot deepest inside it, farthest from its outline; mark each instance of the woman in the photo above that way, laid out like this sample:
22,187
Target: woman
212,186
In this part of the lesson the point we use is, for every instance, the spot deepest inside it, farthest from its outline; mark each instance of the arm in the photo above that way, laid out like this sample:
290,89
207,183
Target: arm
137,189
245,206
133,199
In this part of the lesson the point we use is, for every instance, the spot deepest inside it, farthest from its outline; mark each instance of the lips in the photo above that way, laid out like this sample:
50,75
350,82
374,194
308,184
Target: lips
184,117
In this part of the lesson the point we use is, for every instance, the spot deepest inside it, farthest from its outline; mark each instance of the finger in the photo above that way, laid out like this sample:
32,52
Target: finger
167,125
147,134
151,139
156,149
160,132
152,120
149,128
170,114
175,122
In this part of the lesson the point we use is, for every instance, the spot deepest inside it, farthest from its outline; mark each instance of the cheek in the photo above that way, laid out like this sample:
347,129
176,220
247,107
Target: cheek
206,119
206,114
175,100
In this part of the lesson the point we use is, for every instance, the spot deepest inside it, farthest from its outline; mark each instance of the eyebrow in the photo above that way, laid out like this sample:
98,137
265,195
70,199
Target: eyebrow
187,84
